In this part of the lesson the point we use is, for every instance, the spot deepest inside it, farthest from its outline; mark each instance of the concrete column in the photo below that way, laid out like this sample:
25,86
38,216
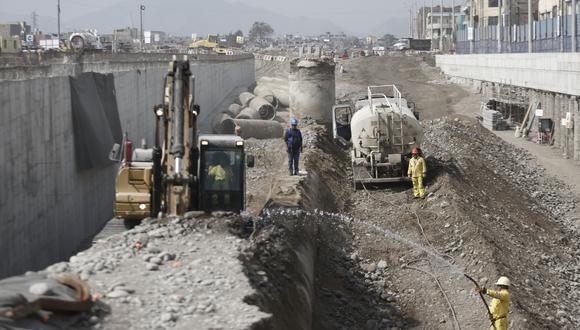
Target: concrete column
576,112
558,130
552,106
570,132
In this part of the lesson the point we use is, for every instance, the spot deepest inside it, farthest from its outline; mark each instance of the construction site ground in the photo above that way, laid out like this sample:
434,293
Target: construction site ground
312,252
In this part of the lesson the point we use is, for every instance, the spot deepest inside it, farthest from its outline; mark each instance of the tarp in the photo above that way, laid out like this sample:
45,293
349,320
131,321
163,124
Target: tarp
24,289
95,115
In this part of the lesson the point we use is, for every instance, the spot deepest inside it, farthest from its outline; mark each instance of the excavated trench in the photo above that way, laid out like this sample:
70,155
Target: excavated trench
300,263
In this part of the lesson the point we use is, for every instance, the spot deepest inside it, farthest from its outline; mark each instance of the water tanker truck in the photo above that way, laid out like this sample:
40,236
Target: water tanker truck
382,129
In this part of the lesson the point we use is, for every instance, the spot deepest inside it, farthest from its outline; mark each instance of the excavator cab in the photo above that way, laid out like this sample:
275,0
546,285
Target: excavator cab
222,173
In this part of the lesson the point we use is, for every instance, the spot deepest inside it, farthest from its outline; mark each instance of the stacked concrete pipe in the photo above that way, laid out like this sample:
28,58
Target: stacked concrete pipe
277,86
251,128
253,115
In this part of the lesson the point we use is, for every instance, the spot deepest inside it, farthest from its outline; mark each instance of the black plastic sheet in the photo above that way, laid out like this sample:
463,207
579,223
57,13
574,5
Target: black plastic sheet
95,115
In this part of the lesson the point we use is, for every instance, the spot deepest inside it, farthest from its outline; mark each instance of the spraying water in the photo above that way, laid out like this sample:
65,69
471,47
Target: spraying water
269,214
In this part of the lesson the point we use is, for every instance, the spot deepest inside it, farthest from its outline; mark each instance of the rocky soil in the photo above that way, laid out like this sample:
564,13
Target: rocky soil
181,273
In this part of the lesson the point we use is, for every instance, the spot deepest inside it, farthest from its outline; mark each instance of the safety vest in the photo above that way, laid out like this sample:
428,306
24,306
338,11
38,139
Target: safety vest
220,176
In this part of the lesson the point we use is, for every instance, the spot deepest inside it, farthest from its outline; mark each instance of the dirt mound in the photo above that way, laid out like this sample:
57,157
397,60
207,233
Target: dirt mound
464,141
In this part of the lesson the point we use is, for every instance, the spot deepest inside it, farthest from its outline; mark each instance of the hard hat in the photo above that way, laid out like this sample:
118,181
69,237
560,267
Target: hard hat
503,281
414,151
294,122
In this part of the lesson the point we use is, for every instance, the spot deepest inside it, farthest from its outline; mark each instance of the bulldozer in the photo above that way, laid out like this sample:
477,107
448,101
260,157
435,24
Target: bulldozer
184,170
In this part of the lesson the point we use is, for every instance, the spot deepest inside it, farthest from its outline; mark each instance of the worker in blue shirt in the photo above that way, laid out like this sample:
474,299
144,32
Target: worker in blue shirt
293,139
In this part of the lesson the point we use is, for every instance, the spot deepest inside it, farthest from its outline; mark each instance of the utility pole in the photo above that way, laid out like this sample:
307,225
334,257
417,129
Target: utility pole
141,37
470,30
530,27
453,24
440,25
58,10
499,24
34,21
508,24
410,22
431,21
424,23
574,27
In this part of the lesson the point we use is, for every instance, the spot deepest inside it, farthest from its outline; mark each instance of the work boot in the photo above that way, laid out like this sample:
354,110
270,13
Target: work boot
291,173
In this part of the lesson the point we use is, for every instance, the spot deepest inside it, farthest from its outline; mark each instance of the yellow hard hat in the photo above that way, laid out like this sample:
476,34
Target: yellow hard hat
503,281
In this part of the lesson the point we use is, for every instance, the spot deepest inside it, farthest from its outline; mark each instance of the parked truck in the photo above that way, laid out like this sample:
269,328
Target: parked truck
413,44
382,129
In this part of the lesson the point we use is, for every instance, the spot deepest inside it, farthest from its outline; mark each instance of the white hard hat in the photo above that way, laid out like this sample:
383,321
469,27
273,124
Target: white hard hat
503,281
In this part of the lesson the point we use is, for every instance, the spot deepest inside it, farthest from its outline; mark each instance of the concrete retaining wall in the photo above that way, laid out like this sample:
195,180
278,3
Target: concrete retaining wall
552,79
48,207
554,72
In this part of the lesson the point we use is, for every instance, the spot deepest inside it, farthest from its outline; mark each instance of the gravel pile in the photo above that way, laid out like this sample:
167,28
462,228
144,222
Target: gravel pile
170,273
463,140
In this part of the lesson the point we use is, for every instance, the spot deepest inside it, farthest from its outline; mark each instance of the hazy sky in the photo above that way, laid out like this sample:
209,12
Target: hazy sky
356,16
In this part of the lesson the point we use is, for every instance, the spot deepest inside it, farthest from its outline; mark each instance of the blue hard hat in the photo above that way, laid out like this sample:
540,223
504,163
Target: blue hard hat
294,122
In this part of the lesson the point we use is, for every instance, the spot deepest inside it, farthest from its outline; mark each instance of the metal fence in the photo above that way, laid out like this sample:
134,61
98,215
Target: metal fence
548,36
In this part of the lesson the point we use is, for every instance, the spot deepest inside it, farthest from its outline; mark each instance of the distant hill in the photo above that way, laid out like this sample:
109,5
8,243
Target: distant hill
183,17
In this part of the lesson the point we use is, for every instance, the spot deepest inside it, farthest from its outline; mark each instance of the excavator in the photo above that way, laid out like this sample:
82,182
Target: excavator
184,171
211,45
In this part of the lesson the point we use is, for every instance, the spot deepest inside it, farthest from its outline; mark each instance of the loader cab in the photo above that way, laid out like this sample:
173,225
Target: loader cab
341,116
222,172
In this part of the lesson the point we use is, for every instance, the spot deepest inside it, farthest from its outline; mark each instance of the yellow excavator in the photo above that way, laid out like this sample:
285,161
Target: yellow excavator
184,171
211,45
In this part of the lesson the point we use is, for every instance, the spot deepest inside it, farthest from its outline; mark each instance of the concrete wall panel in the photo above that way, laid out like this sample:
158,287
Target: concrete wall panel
555,72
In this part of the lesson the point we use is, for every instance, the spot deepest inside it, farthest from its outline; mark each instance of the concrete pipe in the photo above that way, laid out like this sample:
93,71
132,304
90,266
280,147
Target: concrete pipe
245,98
280,92
258,129
248,113
272,81
233,110
217,123
312,89
267,95
263,107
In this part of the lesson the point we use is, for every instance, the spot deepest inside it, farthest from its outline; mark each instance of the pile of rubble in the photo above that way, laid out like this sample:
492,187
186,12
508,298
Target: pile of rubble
165,273
465,140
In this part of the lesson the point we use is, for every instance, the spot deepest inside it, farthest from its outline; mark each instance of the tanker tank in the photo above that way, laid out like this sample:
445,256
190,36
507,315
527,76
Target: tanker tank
383,131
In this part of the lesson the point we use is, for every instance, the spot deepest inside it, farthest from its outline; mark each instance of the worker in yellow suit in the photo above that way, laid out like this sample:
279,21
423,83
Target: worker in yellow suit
500,304
220,174
417,171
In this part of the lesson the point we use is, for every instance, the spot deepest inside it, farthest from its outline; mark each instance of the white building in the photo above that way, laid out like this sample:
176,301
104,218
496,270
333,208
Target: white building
551,8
